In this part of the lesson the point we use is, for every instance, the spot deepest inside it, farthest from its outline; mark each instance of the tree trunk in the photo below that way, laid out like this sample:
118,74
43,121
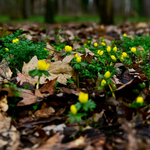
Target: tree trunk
26,9
49,15
106,12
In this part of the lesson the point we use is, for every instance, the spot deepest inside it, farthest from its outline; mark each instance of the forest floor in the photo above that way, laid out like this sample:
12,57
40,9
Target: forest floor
36,119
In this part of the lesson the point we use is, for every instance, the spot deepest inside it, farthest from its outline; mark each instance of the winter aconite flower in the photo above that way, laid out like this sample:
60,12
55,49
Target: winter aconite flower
139,99
95,44
133,49
68,48
15,41
100,52
83,97
42,65
76,55
6,49
124,54
115,49
45,49
78,59
73,109
113,57
103,44
124,35
107,74
108,49
103,82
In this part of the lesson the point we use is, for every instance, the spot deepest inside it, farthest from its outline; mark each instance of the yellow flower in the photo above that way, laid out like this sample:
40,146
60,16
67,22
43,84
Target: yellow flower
133,49
124,35
15,41
103,44
6,49
115,49
45,49
113,57
108,49
101,53
98,51
42,65
78,59
76,55
83,97
73,109
84,44
89,42
68,48
95,44
139,99
103,82
107,74
122,58
124,54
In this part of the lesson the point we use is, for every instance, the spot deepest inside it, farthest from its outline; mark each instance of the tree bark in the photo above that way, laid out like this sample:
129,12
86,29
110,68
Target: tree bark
106,12
49,15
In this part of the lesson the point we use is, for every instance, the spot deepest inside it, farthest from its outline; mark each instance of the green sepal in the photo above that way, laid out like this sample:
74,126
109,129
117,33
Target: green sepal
46,73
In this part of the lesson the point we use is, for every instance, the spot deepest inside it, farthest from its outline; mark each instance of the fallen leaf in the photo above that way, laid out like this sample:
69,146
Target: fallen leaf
49,87
28,98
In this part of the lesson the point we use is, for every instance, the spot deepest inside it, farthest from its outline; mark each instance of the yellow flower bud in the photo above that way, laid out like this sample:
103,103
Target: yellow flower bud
78,59
115,49
108,49
45,49
139,99
133,49
42,65
107,74
83,97
124,54
113,57
95,44
124,35
103,82
89,42
6,49
103,44
73,109
68,48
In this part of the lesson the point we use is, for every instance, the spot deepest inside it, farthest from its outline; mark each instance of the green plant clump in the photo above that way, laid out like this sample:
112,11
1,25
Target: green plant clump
16,49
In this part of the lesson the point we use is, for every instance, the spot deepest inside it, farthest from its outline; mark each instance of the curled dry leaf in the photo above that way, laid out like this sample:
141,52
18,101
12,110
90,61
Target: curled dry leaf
3,103
5,72
9,134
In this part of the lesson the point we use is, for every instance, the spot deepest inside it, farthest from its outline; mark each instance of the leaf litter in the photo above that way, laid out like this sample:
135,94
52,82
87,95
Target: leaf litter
38,121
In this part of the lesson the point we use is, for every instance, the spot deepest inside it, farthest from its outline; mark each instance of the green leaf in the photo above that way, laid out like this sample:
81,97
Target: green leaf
46,73
83,64
34,72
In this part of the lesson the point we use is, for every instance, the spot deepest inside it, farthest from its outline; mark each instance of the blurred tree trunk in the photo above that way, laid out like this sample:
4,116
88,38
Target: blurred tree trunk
126,8
26,9
56,7
49,14
84,6
105,11
14,10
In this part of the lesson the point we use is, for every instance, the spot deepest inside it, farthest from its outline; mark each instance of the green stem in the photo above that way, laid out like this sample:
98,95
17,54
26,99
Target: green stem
38,82
113,94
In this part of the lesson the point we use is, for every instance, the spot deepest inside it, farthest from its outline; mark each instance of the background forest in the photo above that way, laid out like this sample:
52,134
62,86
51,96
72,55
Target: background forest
51,11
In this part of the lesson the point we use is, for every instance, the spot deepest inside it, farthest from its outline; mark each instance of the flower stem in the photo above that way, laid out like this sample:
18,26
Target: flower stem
38,82
113,94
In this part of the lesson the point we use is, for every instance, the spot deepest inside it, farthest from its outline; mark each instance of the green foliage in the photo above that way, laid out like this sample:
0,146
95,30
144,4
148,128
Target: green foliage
22,51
